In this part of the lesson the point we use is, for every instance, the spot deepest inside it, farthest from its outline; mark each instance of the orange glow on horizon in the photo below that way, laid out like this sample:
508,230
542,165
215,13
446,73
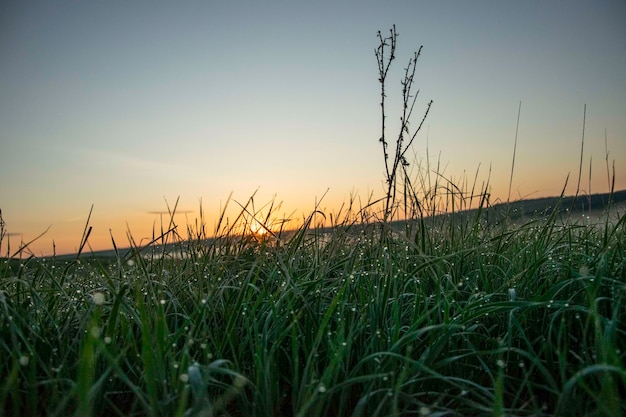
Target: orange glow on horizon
257,228
64,235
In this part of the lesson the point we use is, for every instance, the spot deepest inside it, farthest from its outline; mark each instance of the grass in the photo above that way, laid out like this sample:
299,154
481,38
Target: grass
449,316
482,312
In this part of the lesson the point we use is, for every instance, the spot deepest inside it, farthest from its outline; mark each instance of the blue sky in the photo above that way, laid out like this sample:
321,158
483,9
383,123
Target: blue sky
124,105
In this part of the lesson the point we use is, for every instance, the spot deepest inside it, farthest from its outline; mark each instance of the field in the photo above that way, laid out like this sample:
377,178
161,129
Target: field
431,301
443,316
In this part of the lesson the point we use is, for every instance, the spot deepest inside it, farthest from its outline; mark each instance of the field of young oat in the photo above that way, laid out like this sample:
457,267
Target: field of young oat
448,315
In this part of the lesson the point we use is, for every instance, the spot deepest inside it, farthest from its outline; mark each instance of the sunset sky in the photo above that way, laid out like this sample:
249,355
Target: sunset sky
127,105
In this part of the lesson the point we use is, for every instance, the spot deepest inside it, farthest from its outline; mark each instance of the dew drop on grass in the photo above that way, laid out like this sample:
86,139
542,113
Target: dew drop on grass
512,294
95,332
98,298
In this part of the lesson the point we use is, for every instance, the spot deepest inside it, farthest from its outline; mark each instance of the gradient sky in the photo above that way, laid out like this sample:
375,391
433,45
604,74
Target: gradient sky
126,105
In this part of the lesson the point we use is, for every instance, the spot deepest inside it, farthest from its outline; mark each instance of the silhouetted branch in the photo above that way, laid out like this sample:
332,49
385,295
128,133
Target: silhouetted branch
408,104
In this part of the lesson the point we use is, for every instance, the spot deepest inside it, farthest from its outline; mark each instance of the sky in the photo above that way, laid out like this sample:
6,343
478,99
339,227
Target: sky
133,106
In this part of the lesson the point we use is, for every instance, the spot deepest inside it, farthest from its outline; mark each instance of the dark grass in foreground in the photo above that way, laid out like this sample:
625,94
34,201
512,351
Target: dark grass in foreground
447,318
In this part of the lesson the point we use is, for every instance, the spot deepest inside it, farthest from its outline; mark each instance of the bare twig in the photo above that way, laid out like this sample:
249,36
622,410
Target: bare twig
408,103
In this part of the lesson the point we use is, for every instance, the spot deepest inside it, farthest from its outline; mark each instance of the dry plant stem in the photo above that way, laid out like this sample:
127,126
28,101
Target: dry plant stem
589,186
408,104
580,165
86,233
606,158
383,69
582,148
23,248
3,232
519,111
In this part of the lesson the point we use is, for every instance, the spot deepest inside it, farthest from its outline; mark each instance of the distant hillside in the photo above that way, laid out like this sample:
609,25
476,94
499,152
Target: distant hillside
569,207
514,210
545,206
582,203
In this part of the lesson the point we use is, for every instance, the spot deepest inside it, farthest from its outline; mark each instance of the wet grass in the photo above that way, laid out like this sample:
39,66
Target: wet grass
450,316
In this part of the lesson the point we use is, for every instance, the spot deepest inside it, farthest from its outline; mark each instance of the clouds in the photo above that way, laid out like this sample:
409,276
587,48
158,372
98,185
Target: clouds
132,166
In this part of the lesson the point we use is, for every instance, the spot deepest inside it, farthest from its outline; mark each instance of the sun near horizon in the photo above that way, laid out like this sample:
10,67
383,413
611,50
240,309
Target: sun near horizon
107,234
